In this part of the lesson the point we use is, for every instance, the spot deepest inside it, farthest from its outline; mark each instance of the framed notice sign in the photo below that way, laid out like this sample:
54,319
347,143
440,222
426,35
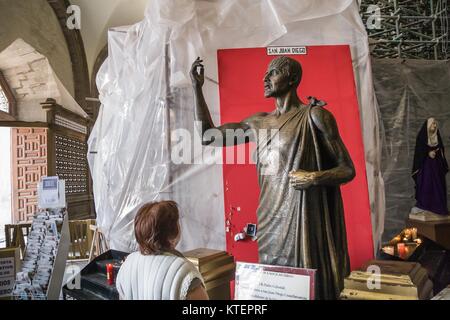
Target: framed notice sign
51,193
9,265
264,282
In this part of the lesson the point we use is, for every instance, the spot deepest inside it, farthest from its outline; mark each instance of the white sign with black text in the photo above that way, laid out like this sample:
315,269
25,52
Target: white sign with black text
279,51
9,263
51,193
264,282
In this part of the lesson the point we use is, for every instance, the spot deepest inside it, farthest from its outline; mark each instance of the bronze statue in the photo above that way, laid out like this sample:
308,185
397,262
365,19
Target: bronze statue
300,214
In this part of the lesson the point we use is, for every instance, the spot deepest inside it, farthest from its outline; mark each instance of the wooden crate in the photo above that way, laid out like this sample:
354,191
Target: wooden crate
81,237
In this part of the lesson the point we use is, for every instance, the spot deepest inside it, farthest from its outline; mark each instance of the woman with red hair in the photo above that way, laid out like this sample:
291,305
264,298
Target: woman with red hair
157,271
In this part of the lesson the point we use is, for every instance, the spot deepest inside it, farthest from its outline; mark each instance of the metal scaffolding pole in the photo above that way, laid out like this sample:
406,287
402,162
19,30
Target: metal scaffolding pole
407,28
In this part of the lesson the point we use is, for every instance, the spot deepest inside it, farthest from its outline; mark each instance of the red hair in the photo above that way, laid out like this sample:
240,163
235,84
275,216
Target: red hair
156,226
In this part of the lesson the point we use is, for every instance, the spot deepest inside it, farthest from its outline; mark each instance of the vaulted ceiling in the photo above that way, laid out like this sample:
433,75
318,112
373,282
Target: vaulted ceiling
32,80
71,53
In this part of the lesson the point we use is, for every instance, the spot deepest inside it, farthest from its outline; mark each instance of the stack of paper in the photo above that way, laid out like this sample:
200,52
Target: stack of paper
42,245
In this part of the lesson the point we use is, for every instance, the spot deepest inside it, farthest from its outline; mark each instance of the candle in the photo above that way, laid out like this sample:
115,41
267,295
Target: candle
414,233
110,274
407,235
389,250
407,249
401,249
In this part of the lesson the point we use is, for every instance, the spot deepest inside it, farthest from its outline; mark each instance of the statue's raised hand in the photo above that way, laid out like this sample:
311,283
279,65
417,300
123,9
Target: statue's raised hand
198,78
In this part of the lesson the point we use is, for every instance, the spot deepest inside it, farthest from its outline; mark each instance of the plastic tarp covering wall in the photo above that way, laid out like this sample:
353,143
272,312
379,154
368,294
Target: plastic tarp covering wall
145,93
408,92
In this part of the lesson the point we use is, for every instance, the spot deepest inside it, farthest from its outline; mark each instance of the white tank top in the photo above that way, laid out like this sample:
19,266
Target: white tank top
155,277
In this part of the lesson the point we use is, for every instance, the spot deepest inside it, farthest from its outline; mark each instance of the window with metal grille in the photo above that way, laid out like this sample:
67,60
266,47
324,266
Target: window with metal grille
4,102
7,101
71,163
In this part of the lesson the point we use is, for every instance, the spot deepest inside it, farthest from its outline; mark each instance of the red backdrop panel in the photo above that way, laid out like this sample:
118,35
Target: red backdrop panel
327,75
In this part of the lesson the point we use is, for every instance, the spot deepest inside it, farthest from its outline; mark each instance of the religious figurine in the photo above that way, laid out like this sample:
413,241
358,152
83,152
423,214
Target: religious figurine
429,170
300,213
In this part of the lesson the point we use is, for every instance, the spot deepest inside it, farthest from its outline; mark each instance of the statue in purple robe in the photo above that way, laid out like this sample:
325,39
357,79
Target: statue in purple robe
430,168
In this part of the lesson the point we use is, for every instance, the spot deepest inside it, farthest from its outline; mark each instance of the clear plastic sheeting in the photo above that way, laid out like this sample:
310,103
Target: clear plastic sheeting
145,93
408,92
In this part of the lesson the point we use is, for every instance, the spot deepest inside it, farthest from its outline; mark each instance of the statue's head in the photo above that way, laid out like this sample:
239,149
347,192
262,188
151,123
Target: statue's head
283,75
432,125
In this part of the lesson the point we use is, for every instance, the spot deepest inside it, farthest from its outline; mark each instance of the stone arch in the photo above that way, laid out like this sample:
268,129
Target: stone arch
103,54
77,55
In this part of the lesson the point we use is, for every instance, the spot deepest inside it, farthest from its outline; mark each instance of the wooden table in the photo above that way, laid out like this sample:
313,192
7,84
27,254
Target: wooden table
438,231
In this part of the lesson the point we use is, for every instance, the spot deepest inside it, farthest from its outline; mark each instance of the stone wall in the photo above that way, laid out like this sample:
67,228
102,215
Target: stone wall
5,181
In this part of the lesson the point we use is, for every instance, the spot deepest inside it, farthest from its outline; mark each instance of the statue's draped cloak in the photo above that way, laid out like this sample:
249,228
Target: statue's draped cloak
429,174
304,229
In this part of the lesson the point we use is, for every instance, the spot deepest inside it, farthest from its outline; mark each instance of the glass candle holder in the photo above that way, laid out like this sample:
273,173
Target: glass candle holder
414,233
401,249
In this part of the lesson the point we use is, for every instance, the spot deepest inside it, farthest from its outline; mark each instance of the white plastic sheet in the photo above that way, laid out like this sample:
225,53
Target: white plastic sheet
145,94
409,92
